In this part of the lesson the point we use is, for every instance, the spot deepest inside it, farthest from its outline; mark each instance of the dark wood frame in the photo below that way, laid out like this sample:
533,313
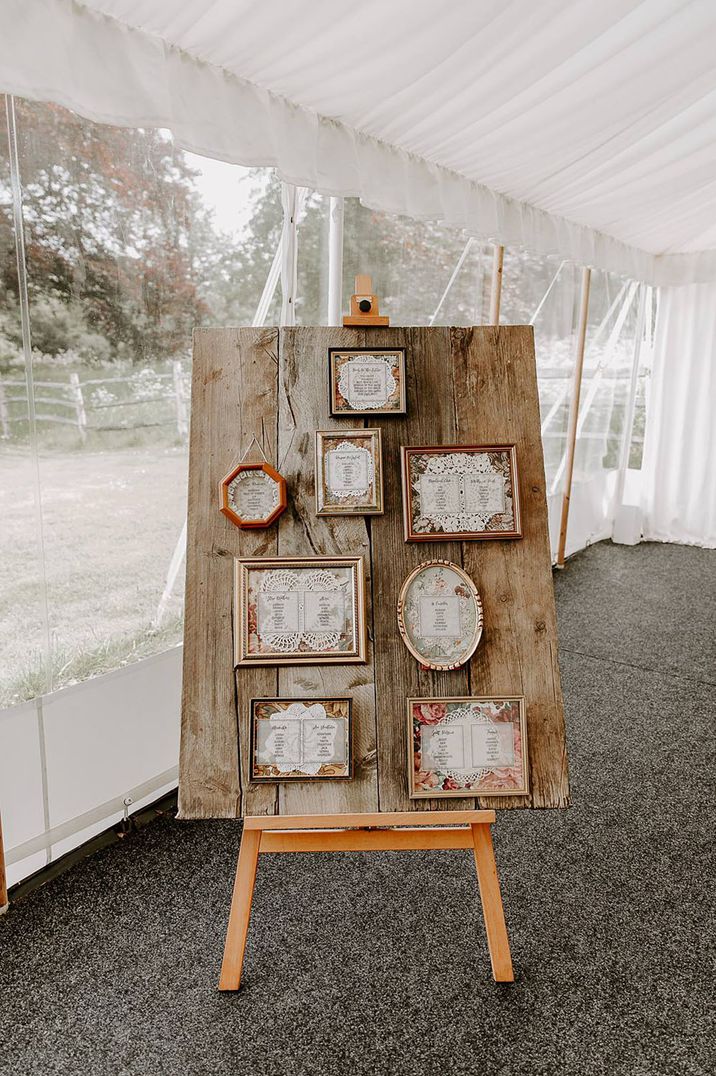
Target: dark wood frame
368,351
458,536
461,792
242,566
235,518
299,777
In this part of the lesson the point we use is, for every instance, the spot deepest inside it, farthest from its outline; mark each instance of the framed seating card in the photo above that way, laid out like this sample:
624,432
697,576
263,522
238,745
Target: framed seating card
301,740
367,381
467,746
253,495
463,492
440,615
349,473
293,611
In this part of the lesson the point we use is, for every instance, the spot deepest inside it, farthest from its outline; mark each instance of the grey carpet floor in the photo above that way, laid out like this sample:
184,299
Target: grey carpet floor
377,963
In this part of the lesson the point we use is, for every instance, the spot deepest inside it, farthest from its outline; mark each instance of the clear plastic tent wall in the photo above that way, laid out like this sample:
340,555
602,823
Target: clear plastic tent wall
94,382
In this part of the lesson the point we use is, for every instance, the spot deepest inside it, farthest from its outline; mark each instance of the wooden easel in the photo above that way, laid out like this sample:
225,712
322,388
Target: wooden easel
360,833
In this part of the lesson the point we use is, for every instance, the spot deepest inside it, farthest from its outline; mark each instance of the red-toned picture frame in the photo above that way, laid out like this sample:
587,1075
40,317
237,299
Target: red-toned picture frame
276,498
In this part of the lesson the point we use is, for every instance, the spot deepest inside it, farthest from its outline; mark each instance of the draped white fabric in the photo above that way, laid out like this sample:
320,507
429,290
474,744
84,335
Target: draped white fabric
679,486
584,130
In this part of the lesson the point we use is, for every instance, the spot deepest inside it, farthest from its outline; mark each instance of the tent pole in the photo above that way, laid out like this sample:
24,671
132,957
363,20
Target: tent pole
3,877
496,285
335,260
574,412
631,401
289,253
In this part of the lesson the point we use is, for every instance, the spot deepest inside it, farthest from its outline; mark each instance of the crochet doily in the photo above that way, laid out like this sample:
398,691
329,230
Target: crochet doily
369,465
461,464
357,362
284,579
297,712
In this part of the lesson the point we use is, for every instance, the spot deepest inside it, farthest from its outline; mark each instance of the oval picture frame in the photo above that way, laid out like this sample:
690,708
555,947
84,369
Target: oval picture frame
440,596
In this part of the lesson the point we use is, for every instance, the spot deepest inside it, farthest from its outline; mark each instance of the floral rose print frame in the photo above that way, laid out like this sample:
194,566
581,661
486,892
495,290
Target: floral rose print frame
301,739
367,381
349,473
460,492
467,747
440,615
298,610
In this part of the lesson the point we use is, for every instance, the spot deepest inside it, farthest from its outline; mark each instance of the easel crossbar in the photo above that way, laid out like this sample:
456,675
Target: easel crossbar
364,821
362,840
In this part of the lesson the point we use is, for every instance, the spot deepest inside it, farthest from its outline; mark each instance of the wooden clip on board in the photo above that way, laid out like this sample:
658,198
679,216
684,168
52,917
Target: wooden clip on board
364,305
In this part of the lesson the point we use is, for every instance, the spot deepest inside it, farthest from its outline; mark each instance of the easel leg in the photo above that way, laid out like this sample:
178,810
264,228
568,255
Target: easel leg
238,926
492,911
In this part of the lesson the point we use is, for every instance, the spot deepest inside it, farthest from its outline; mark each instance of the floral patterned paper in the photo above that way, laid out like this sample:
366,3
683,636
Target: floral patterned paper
449,780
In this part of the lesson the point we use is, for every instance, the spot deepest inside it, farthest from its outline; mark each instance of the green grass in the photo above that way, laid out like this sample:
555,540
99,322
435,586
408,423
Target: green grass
82,664
110,523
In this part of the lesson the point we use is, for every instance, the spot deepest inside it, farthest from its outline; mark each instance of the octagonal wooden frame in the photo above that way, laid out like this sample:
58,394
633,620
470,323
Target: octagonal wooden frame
235,518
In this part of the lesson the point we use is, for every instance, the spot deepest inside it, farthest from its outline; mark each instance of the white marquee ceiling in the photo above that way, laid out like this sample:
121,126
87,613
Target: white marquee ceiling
600,115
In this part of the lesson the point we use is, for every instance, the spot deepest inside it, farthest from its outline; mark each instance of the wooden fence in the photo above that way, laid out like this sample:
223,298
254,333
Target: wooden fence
71,402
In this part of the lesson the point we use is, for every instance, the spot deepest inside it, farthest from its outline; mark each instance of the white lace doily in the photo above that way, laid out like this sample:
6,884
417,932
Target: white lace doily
297,712
284,579
461,464
363,360
270,490
367,457
468,716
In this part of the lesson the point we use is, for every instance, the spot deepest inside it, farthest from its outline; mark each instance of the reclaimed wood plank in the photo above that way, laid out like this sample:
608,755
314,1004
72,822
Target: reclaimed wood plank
234,397
303,408
498,403
430,420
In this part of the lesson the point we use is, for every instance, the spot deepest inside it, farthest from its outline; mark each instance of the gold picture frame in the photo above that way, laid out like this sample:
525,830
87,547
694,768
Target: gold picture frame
349,472
440,616
461,493
461,746
299,610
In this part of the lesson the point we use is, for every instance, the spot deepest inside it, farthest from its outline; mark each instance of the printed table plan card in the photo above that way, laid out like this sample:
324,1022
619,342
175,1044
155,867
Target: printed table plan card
324,611
278,612
253,494
348,469
300,739
483,494
439,617
467,746
366,383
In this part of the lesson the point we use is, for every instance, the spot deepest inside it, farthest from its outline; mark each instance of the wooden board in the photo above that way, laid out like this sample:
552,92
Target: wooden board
465,385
